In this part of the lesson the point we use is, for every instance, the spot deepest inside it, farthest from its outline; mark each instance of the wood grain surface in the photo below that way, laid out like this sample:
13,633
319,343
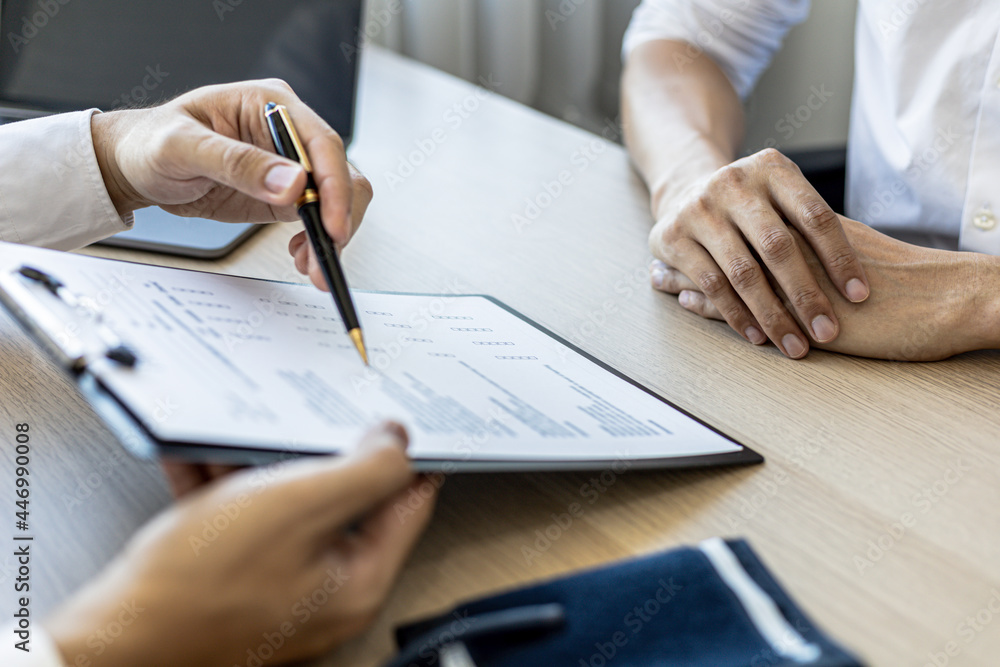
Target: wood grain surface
878,507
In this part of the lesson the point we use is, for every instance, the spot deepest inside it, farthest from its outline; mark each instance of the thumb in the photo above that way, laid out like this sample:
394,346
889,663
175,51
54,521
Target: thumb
333,490
244,167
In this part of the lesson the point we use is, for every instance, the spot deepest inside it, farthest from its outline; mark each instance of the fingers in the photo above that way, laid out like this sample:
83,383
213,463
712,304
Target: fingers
361,198
330,170
332,492
732,228
823,230
301,250
183,478
773,241
696,302
389,534
253,171
668,279
187,477
714,284
298,249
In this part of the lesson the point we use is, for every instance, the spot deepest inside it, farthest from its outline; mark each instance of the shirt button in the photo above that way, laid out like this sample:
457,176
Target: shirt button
984,220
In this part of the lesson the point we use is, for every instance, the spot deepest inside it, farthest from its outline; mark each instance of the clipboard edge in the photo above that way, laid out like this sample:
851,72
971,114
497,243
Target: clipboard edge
140,441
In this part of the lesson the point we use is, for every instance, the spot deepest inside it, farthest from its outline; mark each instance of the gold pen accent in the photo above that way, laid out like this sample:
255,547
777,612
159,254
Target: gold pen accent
308,197
359,342
286,120
288,145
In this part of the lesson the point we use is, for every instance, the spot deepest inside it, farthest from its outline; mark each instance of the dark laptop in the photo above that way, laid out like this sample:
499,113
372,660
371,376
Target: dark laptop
62,56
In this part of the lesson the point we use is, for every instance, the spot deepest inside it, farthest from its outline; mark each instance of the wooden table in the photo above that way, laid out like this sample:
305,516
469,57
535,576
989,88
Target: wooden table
879,506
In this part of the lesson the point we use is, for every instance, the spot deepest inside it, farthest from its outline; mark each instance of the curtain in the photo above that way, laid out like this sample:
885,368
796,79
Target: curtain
559,56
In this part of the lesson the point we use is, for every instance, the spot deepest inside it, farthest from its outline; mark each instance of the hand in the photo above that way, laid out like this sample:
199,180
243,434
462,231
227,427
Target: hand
301,558
708,239
926,304
185,478
208,153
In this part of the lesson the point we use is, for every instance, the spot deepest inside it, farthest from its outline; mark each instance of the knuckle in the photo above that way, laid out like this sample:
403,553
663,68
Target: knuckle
700,206
818,217
730,176
333,137
278,83
773,319
364,186
806,299
743,272
777,245
732,313
841,260
671,280
664,236
773,157
237,160
712,283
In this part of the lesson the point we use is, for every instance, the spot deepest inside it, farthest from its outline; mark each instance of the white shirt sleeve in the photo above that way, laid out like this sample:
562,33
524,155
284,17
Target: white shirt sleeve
740,35
43,651
52,193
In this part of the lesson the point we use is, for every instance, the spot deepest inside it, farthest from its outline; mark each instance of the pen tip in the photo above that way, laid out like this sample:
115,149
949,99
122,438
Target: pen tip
359,342
269,106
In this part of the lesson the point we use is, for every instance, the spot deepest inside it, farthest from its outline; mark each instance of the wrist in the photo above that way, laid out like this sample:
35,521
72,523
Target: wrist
980,316
107,130
990,291
687,172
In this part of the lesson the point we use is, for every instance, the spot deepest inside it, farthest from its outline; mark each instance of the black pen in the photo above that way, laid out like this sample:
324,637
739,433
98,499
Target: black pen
288,144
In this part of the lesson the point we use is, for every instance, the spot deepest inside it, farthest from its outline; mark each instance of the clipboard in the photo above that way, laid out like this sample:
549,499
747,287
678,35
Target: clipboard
90,350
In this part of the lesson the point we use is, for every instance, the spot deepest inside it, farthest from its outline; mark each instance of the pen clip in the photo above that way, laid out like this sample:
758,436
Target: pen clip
285,136
73,340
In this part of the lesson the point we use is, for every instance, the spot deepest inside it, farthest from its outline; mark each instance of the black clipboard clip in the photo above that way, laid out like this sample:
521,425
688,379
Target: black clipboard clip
75,340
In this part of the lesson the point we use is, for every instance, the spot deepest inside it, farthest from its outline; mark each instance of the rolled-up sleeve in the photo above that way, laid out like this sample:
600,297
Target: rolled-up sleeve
740,35
52,193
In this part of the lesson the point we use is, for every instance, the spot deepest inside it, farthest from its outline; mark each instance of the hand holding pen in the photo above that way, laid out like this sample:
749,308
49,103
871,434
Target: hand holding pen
208,153
288,144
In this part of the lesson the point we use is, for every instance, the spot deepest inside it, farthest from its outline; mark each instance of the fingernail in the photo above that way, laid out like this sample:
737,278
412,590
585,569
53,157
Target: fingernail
281,177
793,346
657,264
856,290
657,277
755,335
823,329
685,298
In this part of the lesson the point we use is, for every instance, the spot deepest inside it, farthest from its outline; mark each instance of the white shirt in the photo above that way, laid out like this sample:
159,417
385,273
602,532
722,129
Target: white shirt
924,145
51,194
42,651
51,190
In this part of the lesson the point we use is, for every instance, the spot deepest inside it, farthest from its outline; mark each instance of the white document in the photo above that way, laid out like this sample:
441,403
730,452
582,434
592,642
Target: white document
257,364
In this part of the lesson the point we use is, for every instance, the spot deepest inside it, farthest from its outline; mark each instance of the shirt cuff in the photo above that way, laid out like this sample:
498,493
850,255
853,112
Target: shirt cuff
55,195
42,651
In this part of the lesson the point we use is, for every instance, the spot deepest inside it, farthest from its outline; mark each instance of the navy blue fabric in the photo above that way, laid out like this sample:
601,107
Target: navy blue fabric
668,609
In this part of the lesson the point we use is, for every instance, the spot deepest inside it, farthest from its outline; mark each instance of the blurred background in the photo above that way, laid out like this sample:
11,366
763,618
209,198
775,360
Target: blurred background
563,57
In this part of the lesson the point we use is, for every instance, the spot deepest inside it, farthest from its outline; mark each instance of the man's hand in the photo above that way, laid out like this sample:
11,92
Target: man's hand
709,238
209,154
303,554
926,304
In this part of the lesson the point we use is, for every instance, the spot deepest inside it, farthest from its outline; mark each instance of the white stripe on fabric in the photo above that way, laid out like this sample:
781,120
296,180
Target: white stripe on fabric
761,609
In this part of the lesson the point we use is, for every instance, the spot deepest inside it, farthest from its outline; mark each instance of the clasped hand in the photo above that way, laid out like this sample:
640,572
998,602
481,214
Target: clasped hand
718,240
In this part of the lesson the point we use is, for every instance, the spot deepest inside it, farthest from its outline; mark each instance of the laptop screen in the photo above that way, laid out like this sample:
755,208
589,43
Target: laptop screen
62,55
